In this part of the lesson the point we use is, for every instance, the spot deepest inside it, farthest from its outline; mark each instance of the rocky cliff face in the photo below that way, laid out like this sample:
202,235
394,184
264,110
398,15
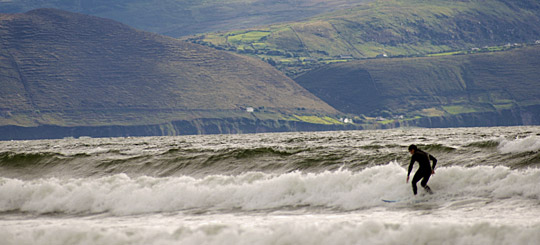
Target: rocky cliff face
182,127
511,117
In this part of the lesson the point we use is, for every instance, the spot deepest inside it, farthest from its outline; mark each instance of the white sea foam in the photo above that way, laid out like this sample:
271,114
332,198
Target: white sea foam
530,143
229,229
342,190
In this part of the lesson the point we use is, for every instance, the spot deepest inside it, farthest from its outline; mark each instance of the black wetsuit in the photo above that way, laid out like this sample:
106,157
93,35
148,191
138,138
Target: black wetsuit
424,171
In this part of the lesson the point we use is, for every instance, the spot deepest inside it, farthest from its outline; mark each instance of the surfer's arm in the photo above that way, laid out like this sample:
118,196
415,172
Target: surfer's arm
434,162
410,167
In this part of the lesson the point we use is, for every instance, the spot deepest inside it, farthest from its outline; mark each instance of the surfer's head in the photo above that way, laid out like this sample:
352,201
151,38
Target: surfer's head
412,149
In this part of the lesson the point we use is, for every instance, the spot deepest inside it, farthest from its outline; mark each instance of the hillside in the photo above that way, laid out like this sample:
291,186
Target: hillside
385,28
186,17
71,70
504,85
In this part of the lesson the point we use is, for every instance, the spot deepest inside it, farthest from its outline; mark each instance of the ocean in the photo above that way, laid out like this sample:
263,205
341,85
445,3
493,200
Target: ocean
276,188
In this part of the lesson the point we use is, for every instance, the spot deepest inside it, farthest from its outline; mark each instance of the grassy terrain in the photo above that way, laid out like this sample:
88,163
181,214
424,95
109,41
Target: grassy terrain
430,86
390,28
186,17
326,120
66,69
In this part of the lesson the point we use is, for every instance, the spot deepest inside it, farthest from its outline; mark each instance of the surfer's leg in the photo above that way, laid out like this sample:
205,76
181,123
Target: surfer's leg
424,182
416,178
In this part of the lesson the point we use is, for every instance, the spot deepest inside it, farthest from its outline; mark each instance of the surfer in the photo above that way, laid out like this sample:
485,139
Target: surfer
424,171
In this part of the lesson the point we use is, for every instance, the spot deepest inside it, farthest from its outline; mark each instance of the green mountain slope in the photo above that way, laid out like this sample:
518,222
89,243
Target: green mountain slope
386,28
65,69
442,86
186,17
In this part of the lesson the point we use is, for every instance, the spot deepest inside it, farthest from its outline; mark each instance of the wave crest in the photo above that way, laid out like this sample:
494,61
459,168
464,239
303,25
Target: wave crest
337,190
528,144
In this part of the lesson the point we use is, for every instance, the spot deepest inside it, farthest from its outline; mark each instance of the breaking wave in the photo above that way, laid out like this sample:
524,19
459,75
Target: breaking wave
330,190
528,144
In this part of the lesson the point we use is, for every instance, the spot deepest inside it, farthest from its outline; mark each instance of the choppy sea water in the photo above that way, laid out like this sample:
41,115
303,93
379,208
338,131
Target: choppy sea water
279,188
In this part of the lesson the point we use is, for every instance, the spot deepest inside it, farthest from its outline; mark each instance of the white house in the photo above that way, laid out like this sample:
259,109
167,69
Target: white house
346,120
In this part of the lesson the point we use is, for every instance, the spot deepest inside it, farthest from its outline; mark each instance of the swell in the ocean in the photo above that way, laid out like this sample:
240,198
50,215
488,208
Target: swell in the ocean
315,155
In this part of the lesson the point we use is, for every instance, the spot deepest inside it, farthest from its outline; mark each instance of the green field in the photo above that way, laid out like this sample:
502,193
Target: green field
389,28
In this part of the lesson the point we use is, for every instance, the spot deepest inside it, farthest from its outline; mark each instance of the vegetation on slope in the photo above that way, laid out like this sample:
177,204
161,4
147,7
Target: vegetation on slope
389,28
187,17
431,86
66,69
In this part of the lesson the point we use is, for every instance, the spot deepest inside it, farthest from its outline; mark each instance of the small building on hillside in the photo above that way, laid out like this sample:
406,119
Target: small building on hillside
346,120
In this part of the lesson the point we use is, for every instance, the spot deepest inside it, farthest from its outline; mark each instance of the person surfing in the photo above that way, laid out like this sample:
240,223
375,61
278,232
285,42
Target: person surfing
424,171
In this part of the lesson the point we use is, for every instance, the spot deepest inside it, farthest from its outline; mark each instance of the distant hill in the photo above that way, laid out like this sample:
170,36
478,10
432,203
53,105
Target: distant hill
385,28
487,89
186,17
72,70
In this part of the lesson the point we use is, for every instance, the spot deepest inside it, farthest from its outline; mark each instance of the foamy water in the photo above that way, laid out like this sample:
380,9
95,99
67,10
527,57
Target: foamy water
527,144
292,188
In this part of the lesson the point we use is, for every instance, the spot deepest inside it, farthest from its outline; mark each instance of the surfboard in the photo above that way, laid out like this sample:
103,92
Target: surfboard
415,199
407,201
390,201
